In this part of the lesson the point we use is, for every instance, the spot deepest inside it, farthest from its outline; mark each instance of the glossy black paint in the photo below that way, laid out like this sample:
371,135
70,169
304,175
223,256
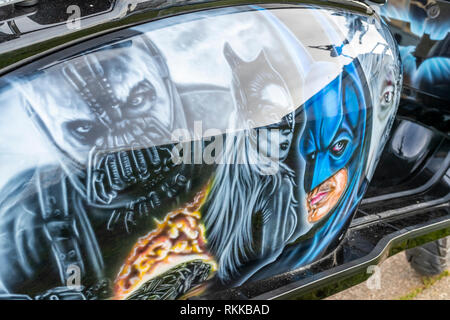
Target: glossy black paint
19,48
380,228
397,213
404,164
47,12
421,29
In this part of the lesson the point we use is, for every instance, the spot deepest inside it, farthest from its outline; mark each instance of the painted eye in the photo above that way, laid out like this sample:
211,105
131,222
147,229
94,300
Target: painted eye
311,156
82,130
141,94
387,97
137,100
339,147
81,127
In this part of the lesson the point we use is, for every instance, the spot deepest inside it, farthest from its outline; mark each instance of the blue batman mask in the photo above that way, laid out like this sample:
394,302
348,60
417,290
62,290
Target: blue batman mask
334,145
331,143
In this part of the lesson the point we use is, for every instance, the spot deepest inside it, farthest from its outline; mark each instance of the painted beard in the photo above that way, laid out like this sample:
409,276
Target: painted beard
322,199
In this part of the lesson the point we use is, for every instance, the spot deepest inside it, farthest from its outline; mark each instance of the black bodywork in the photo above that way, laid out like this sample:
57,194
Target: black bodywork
407,202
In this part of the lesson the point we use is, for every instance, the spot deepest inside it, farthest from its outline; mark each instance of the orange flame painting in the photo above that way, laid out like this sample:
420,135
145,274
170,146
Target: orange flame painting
178,239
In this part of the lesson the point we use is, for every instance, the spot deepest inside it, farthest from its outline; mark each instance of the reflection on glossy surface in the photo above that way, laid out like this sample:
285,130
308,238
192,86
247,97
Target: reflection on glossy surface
194,152
409,149
422,30
416,143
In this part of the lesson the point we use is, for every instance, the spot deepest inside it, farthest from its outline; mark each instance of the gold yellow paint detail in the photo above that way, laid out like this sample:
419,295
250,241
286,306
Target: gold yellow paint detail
177,239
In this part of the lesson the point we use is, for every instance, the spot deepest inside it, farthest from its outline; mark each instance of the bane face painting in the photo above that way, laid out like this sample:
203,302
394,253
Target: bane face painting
111,119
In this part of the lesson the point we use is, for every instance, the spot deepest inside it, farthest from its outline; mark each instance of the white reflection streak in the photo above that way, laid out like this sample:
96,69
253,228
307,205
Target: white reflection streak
21,145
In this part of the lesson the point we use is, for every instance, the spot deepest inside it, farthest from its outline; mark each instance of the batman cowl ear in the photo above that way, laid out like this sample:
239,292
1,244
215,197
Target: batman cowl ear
231,56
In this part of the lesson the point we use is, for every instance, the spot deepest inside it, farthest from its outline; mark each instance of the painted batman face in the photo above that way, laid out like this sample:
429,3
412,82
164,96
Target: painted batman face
331,143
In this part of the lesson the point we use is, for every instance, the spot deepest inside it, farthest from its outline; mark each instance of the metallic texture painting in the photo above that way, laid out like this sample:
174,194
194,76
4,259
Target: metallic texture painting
191,154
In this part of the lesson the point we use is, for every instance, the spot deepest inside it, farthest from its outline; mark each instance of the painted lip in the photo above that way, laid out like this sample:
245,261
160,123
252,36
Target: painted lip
319,197
325,196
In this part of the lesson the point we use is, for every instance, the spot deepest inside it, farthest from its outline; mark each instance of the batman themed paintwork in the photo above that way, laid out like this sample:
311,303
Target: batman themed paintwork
422,31
178,157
